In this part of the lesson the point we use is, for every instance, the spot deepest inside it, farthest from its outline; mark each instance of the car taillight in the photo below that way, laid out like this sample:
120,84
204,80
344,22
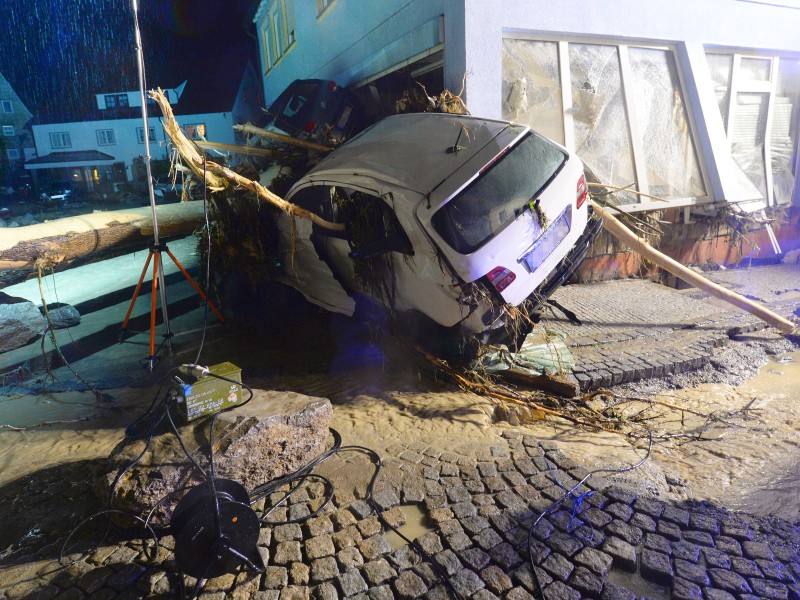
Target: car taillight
501,278
332,86
310,126
582,192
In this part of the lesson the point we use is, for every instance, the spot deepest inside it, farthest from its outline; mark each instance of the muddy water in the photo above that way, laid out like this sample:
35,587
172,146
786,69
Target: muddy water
745,457
751,459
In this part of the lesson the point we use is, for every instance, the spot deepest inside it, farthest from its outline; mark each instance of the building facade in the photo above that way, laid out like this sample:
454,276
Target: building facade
16,144
691,106
104,150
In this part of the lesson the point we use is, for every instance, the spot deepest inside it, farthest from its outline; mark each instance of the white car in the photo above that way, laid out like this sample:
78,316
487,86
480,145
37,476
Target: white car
455,225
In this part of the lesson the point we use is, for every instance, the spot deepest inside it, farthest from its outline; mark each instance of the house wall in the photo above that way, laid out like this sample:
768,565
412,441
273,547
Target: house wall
83,136
21,141
350,41
727,23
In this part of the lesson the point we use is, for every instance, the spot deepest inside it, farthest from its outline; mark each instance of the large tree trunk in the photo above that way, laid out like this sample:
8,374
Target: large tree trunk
61,242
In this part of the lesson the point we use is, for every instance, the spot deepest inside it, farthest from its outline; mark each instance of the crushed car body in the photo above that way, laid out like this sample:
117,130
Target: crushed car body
460,227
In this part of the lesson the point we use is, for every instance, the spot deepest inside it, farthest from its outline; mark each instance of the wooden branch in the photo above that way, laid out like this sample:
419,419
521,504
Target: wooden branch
625,235
94,234
186,147
625,189
274,199
216,175
245,150
251,129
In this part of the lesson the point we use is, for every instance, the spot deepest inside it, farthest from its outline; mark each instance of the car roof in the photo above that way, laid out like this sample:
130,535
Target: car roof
415,151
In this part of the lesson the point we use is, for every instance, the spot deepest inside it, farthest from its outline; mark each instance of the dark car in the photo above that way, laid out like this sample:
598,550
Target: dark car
317,109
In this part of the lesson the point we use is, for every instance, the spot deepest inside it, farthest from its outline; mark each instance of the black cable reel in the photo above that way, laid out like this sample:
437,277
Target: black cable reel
215,536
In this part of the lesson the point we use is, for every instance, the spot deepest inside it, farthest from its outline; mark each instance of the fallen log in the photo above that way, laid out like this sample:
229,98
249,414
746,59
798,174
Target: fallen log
250,129
638,245
63,241
245,150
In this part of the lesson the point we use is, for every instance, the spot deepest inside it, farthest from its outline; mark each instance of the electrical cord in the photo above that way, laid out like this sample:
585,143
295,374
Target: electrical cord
295,480
550,509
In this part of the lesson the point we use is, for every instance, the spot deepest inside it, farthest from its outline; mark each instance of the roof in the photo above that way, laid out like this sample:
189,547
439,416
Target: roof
76,156
415,151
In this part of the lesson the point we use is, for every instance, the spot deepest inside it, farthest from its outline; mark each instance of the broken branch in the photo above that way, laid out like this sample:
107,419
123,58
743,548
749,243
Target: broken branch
251,129
216,175
625,235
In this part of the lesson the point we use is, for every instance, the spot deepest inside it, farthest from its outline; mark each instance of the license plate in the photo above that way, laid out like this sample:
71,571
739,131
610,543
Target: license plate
548,241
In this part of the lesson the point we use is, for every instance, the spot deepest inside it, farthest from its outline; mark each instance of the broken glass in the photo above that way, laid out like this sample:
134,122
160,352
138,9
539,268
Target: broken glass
747,142
720,67
532,86
783,140
673,170
602,133
755,69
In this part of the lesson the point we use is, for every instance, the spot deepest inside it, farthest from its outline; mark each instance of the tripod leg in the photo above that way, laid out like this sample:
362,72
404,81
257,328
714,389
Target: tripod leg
196,287
124,326
152,359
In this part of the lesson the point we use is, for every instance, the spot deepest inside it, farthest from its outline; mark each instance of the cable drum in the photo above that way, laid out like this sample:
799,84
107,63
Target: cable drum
211,541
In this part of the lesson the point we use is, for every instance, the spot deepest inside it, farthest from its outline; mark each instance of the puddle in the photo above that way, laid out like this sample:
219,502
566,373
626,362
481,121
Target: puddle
746,452
638,585
414,526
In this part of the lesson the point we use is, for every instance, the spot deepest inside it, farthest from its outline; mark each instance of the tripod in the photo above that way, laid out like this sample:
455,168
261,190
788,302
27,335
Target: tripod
156,250
157,247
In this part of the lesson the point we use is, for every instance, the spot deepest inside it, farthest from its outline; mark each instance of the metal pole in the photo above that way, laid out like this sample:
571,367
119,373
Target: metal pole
146,136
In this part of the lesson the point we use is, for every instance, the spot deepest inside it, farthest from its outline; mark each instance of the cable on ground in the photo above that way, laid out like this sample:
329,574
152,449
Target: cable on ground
567,494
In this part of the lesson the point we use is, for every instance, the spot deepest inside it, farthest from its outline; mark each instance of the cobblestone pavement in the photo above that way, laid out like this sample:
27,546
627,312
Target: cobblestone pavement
601,542
634,329
478,502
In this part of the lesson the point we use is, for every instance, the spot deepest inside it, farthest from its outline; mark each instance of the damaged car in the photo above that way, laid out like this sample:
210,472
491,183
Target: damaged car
458,227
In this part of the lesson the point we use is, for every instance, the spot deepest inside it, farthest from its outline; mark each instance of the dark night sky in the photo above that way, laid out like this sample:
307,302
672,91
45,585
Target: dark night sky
56,53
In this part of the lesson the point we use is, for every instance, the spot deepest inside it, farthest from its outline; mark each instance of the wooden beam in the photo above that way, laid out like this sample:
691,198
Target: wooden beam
638,245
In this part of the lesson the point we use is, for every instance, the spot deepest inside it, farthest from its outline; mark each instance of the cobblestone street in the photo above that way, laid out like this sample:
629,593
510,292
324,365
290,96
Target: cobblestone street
478,502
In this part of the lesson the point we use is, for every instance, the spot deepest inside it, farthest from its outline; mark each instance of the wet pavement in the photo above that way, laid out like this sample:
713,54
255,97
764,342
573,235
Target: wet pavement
634,330
477,503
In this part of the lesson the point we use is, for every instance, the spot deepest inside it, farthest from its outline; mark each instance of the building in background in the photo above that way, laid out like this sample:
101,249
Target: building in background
102,149
694,105
16,142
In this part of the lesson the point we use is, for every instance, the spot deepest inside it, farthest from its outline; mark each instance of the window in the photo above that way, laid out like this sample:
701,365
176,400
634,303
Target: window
277,31
8,108
116,100
322,5
12,153
497,197
60,139
105,137
620,108
8,130
151,133
759,102
196,131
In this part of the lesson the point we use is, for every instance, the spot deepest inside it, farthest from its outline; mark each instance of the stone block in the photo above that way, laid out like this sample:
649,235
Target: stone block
273,435
656,567
622,553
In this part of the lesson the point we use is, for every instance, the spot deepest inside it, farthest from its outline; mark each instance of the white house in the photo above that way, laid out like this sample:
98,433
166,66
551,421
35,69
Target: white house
693,103
106,147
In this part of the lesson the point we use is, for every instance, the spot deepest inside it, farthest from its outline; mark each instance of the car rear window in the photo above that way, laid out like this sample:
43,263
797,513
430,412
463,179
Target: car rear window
499,194
291,108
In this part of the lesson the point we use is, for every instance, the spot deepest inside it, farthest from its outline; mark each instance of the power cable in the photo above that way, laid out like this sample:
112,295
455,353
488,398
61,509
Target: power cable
568,493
